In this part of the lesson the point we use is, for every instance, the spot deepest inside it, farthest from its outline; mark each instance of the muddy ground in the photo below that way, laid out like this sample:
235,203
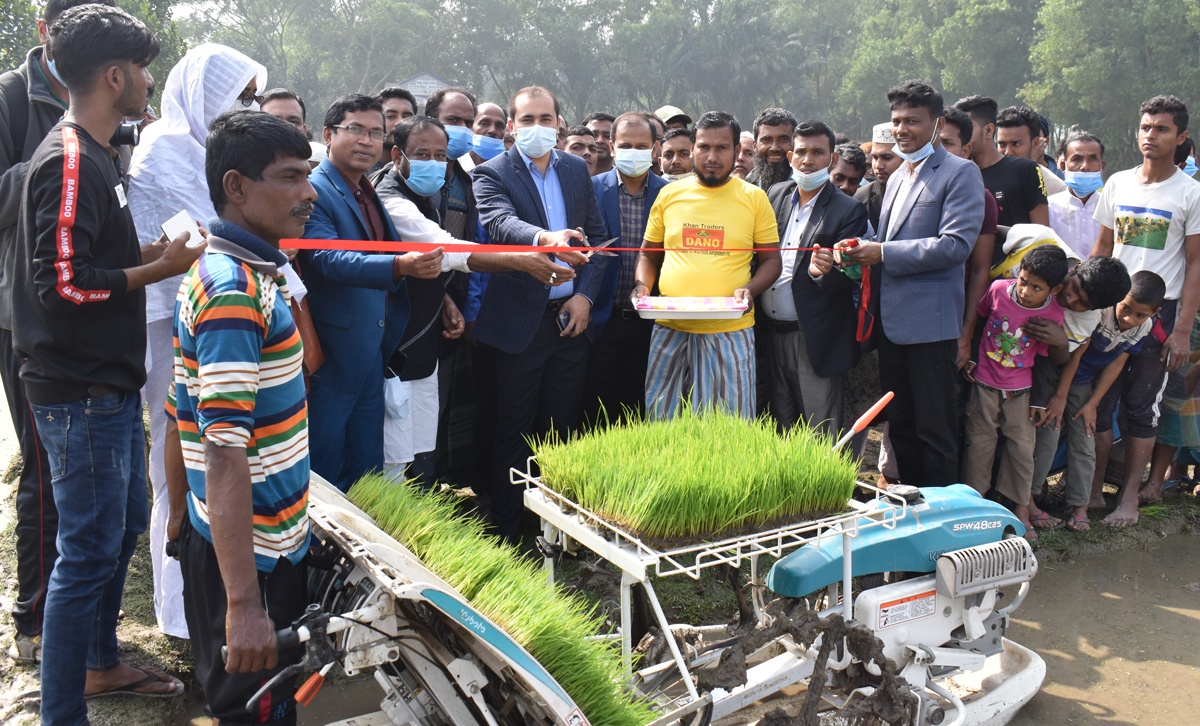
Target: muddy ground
1115,614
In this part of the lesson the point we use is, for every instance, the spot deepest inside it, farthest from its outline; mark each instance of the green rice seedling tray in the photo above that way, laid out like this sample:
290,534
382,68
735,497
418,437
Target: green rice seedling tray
556,628
698,476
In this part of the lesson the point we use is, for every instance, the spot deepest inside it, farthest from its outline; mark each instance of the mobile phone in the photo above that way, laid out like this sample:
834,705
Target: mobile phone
180,223
564,319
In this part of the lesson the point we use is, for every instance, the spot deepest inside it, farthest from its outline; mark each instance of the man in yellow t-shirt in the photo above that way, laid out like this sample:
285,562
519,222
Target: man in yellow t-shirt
708,225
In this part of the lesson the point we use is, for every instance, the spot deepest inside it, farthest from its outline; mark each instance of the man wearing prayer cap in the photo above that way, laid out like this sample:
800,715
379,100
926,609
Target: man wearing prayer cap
883,163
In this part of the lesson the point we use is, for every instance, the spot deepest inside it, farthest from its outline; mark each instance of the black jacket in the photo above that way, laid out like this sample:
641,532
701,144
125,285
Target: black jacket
25,91
872,196
826,305
73,319
419,345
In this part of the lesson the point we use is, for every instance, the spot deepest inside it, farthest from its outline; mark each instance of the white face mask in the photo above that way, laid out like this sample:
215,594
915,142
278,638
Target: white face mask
239,106
536,141
633,162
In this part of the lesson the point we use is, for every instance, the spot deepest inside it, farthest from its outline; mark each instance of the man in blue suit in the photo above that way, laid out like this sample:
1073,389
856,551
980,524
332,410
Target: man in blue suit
931,215
358,301
616,377
531,195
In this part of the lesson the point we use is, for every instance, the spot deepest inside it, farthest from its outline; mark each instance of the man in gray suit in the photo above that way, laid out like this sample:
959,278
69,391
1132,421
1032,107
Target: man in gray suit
930,219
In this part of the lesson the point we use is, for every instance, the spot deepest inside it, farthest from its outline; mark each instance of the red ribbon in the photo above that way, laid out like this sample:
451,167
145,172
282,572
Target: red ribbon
354,245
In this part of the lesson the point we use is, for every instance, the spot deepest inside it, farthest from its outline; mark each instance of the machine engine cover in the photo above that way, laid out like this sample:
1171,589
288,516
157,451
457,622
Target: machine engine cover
944,520
914,612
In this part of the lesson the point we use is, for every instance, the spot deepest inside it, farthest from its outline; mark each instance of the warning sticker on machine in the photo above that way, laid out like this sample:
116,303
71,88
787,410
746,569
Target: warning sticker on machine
907,609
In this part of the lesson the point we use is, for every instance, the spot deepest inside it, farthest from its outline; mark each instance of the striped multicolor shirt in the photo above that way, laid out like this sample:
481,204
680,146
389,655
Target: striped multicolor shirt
238,382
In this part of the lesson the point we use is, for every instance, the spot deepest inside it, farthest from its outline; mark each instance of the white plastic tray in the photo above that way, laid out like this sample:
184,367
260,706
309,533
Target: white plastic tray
733,311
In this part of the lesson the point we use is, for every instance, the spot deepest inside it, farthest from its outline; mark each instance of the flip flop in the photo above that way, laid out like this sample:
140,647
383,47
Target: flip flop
1044,517
1074,521
1031,535
131,689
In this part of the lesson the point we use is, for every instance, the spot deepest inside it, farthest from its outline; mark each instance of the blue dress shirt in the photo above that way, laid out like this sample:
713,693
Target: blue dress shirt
550,190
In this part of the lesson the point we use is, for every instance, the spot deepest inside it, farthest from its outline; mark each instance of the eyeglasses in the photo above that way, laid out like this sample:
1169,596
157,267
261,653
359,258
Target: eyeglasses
249,98
358,132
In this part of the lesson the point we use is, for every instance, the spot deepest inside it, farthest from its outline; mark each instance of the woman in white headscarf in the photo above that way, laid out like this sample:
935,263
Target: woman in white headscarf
166,175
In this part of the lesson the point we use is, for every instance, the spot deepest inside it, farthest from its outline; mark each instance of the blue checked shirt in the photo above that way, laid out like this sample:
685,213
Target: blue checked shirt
633,230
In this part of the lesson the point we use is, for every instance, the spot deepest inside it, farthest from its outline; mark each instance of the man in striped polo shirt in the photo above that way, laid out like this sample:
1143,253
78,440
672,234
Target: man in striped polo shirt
240,406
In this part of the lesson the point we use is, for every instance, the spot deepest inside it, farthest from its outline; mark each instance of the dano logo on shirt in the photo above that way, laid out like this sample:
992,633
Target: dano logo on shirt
703,238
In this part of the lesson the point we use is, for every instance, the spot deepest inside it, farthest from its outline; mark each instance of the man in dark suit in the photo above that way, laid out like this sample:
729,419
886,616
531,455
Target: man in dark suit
810,312
359,301
535,195
616,377
932,214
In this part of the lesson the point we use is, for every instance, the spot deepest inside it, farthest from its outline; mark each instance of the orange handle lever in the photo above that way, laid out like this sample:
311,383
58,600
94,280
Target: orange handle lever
308,691
866,419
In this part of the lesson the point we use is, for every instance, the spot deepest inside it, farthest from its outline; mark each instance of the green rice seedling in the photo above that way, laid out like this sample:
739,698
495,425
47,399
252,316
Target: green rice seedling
698,473
552,625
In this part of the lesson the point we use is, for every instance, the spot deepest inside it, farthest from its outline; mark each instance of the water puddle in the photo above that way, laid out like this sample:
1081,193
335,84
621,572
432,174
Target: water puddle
1120,633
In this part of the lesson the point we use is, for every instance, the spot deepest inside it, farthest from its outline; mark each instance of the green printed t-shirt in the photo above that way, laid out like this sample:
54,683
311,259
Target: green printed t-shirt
690,216
1149,223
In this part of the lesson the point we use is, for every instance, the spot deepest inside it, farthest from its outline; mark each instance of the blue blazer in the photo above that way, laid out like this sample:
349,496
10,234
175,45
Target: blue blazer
920,288
359,311
608,195
511,211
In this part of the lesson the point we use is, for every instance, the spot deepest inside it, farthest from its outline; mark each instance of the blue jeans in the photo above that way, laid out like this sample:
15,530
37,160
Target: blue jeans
96,449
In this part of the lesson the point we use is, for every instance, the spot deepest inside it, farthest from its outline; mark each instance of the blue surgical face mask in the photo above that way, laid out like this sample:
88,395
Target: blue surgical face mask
1191,167
536,141
920,154
54,71
633,162
1083,183
487,147
425,177
809,182
460,141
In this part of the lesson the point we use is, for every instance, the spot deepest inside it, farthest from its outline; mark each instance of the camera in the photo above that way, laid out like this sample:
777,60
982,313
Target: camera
127,134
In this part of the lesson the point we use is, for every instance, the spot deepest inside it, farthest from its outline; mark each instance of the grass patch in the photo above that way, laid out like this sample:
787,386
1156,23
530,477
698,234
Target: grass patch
697,474
512,591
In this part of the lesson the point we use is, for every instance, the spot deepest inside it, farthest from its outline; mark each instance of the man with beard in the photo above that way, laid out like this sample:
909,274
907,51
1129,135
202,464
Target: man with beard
676,159
773,130
883,162
710,361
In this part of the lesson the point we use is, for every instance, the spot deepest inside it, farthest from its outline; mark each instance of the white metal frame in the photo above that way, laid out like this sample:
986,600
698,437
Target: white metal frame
637,560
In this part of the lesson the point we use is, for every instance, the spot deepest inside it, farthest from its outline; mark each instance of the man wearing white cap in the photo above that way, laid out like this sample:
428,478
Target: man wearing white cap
673,117
883,162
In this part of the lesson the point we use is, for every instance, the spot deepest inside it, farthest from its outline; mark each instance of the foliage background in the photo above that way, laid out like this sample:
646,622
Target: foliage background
1087,62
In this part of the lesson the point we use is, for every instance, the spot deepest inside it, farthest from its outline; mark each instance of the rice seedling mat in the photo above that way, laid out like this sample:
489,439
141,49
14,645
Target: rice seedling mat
638,556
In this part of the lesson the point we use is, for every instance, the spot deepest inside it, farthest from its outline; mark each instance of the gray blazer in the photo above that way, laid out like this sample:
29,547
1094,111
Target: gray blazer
919,287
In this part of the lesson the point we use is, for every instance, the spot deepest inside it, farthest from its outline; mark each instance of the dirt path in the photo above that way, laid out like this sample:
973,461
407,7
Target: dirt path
1120,633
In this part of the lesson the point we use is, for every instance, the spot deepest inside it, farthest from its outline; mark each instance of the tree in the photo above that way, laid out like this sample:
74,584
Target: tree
18,31
1096,61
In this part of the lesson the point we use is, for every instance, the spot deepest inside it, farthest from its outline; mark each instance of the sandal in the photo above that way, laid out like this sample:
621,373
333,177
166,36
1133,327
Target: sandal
1046,518
1030,535
1078,524
131,689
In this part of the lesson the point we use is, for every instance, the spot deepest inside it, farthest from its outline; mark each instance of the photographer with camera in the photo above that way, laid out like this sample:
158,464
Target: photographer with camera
80,322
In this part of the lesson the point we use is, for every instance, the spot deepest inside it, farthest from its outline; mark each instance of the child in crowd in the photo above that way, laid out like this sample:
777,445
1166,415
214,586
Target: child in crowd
1092,286
1003,376
1122,331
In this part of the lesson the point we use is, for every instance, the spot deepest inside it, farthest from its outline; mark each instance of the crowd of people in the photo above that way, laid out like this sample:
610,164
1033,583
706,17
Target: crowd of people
1000,293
